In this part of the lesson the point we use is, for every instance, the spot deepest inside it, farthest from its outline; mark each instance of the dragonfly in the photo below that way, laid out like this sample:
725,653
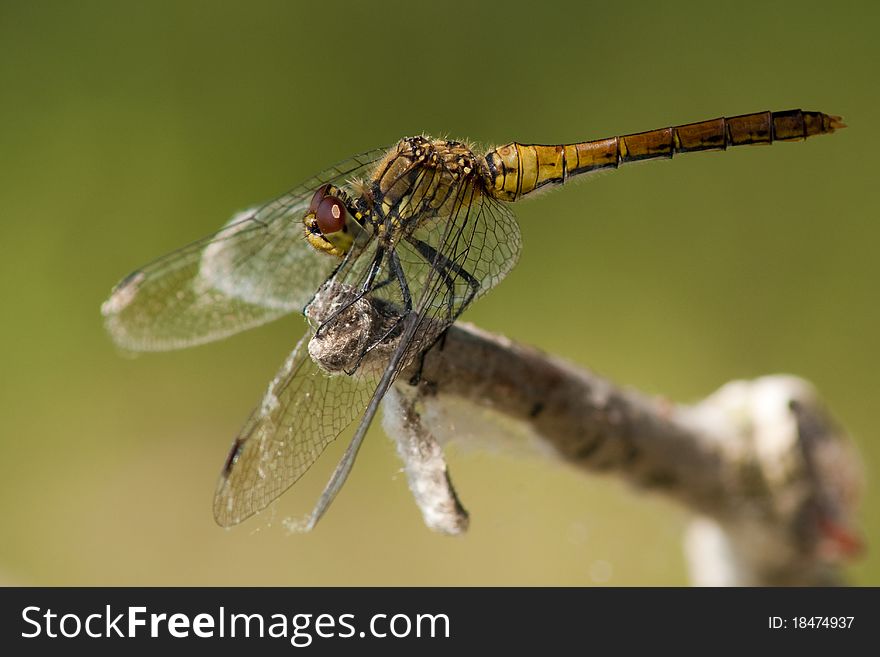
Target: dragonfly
382,253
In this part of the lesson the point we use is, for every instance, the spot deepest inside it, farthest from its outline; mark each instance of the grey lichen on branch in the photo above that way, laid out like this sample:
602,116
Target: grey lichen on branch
771,477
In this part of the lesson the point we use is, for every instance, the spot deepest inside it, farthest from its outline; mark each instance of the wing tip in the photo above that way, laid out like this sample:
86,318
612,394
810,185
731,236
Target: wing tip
123,293
223,506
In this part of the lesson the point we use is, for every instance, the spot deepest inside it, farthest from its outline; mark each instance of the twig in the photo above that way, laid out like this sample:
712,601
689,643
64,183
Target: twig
772,479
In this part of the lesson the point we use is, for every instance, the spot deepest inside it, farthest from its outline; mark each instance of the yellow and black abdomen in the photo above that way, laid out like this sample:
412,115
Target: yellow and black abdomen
514,170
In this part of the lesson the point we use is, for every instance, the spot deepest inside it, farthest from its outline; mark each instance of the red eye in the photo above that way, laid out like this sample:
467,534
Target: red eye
330,215
320,193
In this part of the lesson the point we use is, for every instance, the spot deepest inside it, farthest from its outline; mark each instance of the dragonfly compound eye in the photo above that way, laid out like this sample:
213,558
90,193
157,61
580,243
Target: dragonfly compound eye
320,193
330,215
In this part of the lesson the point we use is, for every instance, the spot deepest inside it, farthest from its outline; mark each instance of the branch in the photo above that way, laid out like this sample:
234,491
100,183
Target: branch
770,477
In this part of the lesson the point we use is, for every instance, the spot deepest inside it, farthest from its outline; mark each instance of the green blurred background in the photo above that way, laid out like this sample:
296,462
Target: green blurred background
128,129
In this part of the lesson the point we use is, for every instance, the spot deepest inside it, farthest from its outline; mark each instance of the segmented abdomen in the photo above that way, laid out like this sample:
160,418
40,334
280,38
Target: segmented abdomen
514,170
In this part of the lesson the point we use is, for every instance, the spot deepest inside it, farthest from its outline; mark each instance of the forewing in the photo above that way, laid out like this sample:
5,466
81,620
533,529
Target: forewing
476,246
451,260
303,411
255,269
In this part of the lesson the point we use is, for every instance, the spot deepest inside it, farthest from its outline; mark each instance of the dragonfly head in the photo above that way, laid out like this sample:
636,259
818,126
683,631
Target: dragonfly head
328,224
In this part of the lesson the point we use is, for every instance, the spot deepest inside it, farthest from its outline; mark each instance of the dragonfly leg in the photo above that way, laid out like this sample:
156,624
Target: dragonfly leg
368,285
416,378
443,265
396,274
329,278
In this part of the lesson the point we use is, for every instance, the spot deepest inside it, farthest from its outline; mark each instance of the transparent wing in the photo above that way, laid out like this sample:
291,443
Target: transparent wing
468,252
255,269
454,259
303,411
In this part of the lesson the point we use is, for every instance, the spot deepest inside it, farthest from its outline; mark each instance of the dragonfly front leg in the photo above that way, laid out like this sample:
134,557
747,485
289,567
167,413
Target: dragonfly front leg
396,274
332,275
375,267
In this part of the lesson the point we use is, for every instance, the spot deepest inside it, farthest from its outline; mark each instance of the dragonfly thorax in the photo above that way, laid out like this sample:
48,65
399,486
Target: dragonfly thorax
420,179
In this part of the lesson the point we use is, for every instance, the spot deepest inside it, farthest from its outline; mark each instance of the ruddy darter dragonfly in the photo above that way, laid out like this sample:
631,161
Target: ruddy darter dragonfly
413,233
